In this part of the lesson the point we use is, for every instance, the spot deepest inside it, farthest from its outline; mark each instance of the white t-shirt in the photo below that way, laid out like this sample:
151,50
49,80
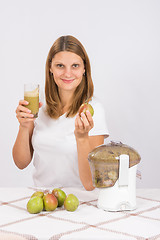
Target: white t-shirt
55,151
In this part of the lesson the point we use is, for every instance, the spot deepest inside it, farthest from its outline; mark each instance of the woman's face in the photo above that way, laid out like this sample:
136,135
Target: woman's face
68,70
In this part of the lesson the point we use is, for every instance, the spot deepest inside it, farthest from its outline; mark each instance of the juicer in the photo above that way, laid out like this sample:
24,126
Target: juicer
113,168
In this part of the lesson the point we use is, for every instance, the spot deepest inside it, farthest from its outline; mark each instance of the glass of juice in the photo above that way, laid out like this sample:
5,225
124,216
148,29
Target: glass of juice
31,95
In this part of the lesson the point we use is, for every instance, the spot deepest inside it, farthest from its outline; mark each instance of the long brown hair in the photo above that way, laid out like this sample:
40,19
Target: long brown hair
84,90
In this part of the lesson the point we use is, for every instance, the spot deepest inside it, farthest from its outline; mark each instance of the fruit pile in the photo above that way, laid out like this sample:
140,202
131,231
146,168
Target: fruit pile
40,201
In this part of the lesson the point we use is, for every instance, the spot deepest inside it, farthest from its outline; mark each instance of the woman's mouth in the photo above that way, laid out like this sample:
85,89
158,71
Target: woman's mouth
68,80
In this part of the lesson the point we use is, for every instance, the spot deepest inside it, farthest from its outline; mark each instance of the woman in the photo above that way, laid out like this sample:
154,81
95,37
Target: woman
59,140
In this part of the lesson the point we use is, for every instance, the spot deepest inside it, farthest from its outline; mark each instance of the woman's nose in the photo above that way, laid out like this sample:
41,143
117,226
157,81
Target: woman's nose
67,72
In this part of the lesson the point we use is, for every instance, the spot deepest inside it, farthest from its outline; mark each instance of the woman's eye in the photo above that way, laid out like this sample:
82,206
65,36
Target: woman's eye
60,65
75,65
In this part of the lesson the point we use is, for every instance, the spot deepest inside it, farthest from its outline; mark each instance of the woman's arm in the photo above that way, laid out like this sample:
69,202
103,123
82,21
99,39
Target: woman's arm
85,144
22,150
84,147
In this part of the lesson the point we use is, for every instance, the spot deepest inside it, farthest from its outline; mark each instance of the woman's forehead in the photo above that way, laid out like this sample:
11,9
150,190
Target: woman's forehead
67,57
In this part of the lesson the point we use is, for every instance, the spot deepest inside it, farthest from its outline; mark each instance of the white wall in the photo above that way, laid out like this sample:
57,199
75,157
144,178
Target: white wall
122,39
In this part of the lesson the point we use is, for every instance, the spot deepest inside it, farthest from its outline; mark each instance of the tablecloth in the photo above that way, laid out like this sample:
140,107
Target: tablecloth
87,222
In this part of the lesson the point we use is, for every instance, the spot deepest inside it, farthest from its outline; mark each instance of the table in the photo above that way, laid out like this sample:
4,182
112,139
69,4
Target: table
87,222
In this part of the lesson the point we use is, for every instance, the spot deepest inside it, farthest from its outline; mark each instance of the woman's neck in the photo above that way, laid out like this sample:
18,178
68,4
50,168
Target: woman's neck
65,101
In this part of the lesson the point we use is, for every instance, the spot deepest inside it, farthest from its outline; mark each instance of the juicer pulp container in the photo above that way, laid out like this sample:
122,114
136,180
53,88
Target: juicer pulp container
113,168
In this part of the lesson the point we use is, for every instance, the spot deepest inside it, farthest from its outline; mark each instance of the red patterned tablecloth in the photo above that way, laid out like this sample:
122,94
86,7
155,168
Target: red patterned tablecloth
87,222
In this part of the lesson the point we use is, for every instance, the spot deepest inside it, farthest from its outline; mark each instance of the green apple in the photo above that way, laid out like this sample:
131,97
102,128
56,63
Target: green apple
60,195
86,106
50,202
38,193
71,202
35,204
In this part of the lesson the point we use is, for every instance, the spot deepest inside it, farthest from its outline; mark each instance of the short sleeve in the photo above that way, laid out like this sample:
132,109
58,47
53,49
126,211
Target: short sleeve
99,118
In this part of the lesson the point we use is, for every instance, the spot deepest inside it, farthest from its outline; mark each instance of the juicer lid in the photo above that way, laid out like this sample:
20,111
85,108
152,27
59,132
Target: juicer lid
110,153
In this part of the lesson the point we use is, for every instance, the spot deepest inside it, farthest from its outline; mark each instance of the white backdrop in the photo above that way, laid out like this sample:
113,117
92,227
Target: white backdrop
122,39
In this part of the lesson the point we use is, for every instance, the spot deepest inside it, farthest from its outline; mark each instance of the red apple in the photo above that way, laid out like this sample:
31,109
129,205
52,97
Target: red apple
50,202
84,107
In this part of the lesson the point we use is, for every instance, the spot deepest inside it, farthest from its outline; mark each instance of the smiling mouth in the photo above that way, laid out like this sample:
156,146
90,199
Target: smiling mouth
67,80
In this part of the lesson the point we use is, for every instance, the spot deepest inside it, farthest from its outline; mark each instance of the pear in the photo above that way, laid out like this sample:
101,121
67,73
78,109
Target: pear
50,202
38,193
60,195
86,106
71,203
35,204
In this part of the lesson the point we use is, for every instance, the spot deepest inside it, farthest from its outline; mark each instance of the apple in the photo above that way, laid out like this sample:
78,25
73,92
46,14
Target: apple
38,193
35,204
60,195
50,202
84,107
71,202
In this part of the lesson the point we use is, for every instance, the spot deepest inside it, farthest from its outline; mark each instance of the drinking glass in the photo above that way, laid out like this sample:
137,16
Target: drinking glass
31,95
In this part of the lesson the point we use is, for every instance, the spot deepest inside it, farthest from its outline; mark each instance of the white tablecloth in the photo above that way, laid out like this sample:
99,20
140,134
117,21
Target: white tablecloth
87,222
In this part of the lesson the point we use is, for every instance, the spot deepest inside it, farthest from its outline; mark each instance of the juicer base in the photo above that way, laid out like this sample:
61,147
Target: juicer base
119,198
121,207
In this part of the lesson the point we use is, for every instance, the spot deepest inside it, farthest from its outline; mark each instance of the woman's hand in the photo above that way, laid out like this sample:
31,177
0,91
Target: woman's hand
24,115
83,125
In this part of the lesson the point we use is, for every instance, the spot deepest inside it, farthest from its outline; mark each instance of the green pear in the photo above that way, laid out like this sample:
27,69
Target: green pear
60,195
38,193
35,204
86,106
50,202
71,203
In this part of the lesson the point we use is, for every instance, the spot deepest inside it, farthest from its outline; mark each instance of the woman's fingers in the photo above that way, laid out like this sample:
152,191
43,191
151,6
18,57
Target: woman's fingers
89,118
21,108
79,123
83,124
22,111
23,102
24,115
85,121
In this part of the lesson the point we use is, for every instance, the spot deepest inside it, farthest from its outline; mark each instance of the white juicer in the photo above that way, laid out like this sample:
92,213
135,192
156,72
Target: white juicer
113,168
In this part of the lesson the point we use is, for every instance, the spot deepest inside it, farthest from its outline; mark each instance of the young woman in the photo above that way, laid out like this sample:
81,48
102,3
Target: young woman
59,140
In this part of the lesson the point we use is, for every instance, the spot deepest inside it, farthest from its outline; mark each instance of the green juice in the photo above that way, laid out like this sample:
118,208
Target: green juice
33,98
